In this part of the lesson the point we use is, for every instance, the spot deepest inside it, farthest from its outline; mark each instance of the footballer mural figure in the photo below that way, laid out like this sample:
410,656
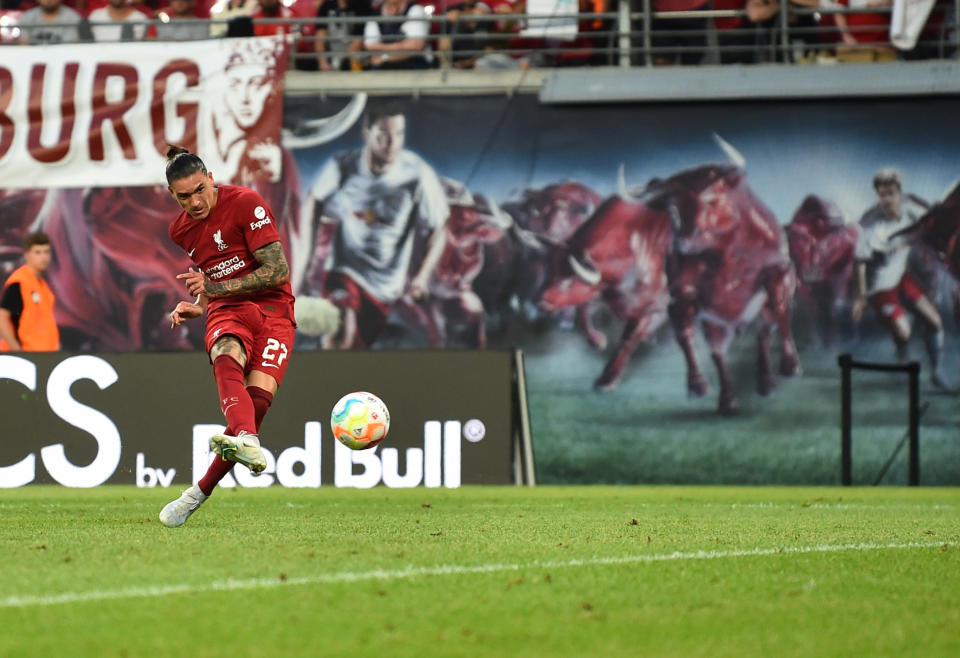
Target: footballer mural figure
883,280
230,234
381,196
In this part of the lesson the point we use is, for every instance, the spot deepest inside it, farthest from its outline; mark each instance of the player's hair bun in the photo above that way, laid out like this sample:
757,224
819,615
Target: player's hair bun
182,163
174,151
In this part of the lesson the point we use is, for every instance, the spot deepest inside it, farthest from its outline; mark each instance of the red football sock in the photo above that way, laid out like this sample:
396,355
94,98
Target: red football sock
234,399
262,399
228,374
217,469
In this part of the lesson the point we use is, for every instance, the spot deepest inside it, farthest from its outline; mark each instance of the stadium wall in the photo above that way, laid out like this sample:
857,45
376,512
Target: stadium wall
525,157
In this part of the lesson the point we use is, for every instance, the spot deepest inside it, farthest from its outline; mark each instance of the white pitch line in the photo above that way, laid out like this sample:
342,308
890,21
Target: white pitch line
439,570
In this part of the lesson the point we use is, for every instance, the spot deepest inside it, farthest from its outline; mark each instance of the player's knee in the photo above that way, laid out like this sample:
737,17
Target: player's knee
229,346
933,318
901,328
471,303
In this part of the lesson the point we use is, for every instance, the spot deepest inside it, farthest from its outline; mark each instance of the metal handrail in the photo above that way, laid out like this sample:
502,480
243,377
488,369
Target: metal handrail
626,37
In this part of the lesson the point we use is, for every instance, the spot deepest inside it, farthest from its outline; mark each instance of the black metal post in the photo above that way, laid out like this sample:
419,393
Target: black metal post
846,469
914,424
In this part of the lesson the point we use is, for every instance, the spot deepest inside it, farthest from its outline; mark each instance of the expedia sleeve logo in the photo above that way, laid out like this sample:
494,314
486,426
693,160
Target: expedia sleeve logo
262,220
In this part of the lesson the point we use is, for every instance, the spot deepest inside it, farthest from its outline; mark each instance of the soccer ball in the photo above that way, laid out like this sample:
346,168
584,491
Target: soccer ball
360,420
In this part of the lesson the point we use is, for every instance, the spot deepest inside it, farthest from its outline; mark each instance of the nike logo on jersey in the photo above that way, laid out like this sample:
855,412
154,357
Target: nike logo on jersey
190,253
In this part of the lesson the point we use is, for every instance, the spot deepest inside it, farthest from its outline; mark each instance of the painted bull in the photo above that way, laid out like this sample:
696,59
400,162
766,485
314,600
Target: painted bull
473,223
618,256
555,211
822,247
728,264
553,214
723,257
938,229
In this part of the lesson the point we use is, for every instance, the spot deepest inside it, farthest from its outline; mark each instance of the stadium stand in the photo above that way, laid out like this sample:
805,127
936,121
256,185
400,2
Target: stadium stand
563,33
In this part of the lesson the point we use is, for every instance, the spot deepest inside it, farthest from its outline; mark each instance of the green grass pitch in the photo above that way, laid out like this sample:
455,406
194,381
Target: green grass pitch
547,571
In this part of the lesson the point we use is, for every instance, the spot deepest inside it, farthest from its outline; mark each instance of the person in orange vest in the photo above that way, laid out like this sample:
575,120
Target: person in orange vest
26,309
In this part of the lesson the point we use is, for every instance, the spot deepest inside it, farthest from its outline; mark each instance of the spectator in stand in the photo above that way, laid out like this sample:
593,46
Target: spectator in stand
586,40
180,23
464,40
339,38
504,35
866,35
50,22
735,36
271,9
392,41
232,17
119,21
573,50
687,33
805,40
300,9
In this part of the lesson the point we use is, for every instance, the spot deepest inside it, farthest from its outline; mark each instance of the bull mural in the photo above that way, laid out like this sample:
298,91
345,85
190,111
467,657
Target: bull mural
473,223
728,264
618,256
699,245
822,250
938,229
552,214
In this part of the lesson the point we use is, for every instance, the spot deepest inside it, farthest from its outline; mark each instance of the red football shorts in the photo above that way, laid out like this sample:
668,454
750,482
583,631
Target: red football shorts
344,292
887,302
267,340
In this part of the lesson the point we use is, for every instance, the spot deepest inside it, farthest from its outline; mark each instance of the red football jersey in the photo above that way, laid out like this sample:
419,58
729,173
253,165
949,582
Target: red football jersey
222,246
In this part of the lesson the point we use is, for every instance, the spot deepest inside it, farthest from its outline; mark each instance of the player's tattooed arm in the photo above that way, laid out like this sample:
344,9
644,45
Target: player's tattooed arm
273,272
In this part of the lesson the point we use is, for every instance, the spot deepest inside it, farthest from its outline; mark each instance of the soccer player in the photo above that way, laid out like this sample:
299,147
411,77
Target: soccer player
380,195
882,276
243,286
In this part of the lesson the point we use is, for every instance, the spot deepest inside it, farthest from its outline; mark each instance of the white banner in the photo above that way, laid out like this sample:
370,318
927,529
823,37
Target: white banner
907,21
103,113
551,19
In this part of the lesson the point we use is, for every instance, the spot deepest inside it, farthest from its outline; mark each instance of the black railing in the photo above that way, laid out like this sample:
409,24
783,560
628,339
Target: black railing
625,38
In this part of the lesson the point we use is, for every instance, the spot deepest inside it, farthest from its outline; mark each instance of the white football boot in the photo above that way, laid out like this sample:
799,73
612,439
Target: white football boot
176,513
243,449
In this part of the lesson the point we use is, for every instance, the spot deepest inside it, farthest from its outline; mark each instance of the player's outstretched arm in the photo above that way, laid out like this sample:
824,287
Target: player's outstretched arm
273,272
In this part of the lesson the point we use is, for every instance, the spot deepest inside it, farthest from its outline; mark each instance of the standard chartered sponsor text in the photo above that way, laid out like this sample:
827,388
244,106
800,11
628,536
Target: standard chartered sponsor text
222,269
